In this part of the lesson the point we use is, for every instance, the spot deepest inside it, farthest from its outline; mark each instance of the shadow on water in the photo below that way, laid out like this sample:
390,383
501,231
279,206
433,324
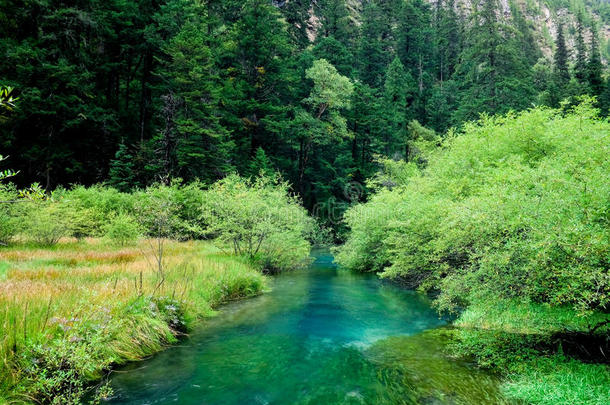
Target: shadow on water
322,336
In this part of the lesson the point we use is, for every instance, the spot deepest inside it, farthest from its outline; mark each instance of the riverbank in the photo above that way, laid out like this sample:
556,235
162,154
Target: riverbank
73,311
544,355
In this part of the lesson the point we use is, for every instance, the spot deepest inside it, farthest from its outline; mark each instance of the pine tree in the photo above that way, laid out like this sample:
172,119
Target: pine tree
580,67
372,58
604,99
337,54
561,56
399,88
594,66
334,21
493,74
259,78
525,35
413,43
192,144
260,164
447,39
122,174
297,16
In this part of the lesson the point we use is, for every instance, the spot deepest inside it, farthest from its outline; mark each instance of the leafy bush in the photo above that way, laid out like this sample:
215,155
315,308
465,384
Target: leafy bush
259,219
178,206
90,208
8,214
47,222
515,207
123,230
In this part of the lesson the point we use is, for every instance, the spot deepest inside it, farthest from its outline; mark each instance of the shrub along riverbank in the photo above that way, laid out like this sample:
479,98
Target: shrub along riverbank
508,223
91,277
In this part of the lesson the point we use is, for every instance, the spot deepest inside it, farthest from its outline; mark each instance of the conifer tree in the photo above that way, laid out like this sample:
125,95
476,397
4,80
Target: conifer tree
604,99
372,58
561,56
122,173
297,17
335,20
525,35
414,34
193,143
447,39
493,74
399,89
260,164
580,67
594,66
337,54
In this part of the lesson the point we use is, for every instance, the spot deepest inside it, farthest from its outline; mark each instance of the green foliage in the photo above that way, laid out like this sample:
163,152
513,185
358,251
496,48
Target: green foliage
494,76
524,342
260,219
514,207
261,164
170,211
594,66
7,102
122,170
191,142
46,223
123,230
9,221
331,91
190,89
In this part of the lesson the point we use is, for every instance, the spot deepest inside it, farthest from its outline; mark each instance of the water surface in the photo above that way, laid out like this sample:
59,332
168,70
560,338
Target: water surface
321,336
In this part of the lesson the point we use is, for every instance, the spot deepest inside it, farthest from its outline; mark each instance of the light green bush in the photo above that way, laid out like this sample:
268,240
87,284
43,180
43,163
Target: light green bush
259,219
9,220
46,222
122,230
178,206
90,208
515,207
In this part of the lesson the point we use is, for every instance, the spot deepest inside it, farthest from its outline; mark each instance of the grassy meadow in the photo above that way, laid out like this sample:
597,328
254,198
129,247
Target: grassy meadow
71,311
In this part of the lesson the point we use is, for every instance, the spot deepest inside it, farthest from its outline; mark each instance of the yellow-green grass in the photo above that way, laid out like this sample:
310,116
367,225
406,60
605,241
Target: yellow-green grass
87,306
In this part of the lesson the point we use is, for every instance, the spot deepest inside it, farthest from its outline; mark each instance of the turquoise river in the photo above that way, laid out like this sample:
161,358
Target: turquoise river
321,336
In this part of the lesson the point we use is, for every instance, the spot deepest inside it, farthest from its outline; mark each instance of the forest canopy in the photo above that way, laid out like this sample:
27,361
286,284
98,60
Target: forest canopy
202,89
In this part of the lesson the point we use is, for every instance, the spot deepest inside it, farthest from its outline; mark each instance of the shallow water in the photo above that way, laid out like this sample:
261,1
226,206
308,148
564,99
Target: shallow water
322,336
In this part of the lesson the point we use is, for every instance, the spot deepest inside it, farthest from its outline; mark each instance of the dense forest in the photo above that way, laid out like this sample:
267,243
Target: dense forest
131,93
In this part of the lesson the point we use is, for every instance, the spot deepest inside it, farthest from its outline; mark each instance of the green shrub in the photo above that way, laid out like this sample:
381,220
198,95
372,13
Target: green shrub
178,206
46,222
91,208
9,220
122,230
515,207
260,220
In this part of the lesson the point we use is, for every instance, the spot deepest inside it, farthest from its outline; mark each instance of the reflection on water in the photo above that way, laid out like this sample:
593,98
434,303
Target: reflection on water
322,336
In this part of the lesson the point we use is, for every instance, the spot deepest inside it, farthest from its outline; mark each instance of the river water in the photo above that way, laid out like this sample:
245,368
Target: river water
321,336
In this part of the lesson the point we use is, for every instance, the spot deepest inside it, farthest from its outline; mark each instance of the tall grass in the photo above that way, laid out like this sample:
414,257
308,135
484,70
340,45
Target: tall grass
72,311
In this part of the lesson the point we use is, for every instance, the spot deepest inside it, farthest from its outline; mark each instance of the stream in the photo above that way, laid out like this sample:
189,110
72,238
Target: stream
321,336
